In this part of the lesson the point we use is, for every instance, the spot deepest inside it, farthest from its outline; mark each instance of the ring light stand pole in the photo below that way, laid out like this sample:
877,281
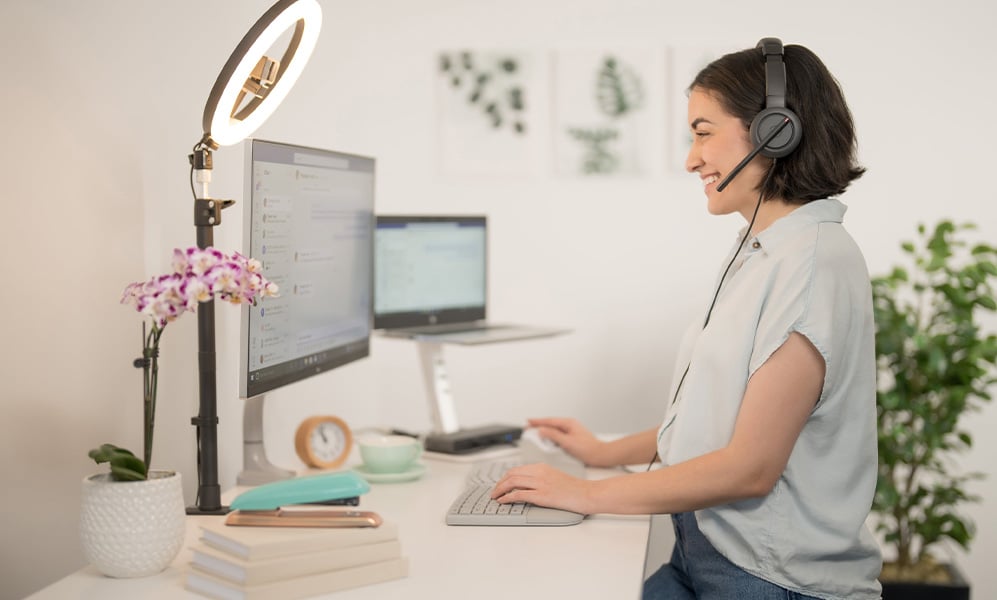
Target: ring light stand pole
207,215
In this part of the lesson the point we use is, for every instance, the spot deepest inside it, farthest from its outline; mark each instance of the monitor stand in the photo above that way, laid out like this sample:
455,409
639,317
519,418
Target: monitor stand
434,375
447,436
256,468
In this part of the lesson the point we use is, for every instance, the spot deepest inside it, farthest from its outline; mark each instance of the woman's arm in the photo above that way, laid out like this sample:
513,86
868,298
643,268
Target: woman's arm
779,398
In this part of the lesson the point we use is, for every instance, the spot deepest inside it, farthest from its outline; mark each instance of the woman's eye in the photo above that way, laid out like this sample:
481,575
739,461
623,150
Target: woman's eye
700,134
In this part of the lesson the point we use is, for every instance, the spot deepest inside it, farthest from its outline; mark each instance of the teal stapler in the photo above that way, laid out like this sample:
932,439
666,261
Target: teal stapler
324,488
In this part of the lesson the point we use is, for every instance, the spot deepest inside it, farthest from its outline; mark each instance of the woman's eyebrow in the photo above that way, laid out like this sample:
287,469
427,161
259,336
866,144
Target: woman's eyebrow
695,123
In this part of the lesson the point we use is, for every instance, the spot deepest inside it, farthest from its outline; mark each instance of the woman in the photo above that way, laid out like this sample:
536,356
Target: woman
768,445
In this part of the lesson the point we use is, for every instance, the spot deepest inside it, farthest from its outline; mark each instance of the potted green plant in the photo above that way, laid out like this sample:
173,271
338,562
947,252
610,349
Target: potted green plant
935,365
133,518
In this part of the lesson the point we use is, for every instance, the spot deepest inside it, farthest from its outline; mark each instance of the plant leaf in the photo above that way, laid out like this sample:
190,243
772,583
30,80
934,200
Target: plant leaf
125,466
105,452
122,473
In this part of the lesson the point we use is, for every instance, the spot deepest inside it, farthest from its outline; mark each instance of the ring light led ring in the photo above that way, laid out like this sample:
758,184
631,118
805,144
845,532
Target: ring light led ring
224,126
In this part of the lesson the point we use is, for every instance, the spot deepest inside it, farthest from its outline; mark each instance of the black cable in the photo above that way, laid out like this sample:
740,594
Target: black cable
740,246
720,286
193,152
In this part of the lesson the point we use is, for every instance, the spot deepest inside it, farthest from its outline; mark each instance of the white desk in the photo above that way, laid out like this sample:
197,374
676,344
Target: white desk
602,557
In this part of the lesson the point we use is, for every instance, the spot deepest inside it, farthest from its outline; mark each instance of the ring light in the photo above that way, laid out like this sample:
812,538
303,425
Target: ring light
250,72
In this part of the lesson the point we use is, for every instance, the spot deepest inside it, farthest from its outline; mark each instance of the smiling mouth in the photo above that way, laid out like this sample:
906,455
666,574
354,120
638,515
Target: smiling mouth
711,179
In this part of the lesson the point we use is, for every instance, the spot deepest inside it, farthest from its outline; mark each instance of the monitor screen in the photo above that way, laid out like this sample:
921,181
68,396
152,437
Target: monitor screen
309,219
429,269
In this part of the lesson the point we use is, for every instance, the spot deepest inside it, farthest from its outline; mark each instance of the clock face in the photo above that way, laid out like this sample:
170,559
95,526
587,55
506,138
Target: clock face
327,441
323,442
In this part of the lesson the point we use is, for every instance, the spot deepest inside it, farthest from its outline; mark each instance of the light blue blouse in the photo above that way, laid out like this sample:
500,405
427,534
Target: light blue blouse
803,273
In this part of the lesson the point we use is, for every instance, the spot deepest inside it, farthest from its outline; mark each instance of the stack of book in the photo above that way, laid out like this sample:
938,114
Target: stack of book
262,563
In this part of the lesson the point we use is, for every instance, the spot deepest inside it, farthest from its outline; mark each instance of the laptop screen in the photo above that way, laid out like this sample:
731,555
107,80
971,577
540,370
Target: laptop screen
429,270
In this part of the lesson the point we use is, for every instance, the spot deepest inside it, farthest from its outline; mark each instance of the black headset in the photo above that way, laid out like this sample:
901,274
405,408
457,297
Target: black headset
776,130
775,112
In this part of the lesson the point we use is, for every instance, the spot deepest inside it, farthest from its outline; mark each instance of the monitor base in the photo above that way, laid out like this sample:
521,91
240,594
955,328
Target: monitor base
256,467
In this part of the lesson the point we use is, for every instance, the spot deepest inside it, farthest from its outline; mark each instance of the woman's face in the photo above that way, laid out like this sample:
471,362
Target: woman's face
719,142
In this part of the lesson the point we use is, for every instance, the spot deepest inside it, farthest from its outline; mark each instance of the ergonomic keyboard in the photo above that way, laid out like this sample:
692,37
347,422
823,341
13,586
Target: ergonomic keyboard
489,473
474,505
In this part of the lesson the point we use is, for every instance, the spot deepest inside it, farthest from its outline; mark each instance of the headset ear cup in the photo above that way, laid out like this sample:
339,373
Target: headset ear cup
787,140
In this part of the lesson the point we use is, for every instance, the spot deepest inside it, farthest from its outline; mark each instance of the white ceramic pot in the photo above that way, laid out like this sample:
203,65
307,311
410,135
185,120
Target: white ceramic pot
132,528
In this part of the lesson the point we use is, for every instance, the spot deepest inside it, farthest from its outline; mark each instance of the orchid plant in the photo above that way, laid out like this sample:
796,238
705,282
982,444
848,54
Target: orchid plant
198,275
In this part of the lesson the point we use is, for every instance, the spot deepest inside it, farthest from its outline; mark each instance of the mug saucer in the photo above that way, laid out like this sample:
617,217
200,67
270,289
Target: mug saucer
414,472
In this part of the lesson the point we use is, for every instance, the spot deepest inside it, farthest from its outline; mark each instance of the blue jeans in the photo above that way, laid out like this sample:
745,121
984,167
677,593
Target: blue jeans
697,570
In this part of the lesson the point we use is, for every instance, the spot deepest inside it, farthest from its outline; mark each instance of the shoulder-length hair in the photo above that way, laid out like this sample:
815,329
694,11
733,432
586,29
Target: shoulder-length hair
824,163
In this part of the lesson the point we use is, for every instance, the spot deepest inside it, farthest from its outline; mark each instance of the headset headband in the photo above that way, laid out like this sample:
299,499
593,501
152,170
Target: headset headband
775,72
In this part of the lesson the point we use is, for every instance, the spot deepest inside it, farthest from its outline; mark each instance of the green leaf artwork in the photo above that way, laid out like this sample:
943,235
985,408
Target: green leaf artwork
490,85
618,93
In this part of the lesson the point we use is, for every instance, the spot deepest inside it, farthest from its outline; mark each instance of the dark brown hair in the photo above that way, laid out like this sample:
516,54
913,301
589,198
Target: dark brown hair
824,163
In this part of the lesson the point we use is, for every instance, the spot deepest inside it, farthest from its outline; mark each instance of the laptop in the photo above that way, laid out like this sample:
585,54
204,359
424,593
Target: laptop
431,281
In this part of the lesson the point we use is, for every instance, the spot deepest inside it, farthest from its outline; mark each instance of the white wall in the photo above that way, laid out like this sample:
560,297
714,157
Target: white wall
102,102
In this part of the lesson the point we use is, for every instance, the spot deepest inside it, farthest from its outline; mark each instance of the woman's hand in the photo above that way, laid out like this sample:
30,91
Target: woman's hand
544,485
574,438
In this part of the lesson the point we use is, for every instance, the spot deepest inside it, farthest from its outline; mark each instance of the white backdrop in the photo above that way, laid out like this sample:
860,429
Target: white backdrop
103,101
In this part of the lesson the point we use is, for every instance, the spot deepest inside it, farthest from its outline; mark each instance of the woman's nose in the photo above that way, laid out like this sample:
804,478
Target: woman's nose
692,160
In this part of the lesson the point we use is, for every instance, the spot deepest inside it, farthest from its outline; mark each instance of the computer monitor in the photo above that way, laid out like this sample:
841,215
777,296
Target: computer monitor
429,270
309,219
